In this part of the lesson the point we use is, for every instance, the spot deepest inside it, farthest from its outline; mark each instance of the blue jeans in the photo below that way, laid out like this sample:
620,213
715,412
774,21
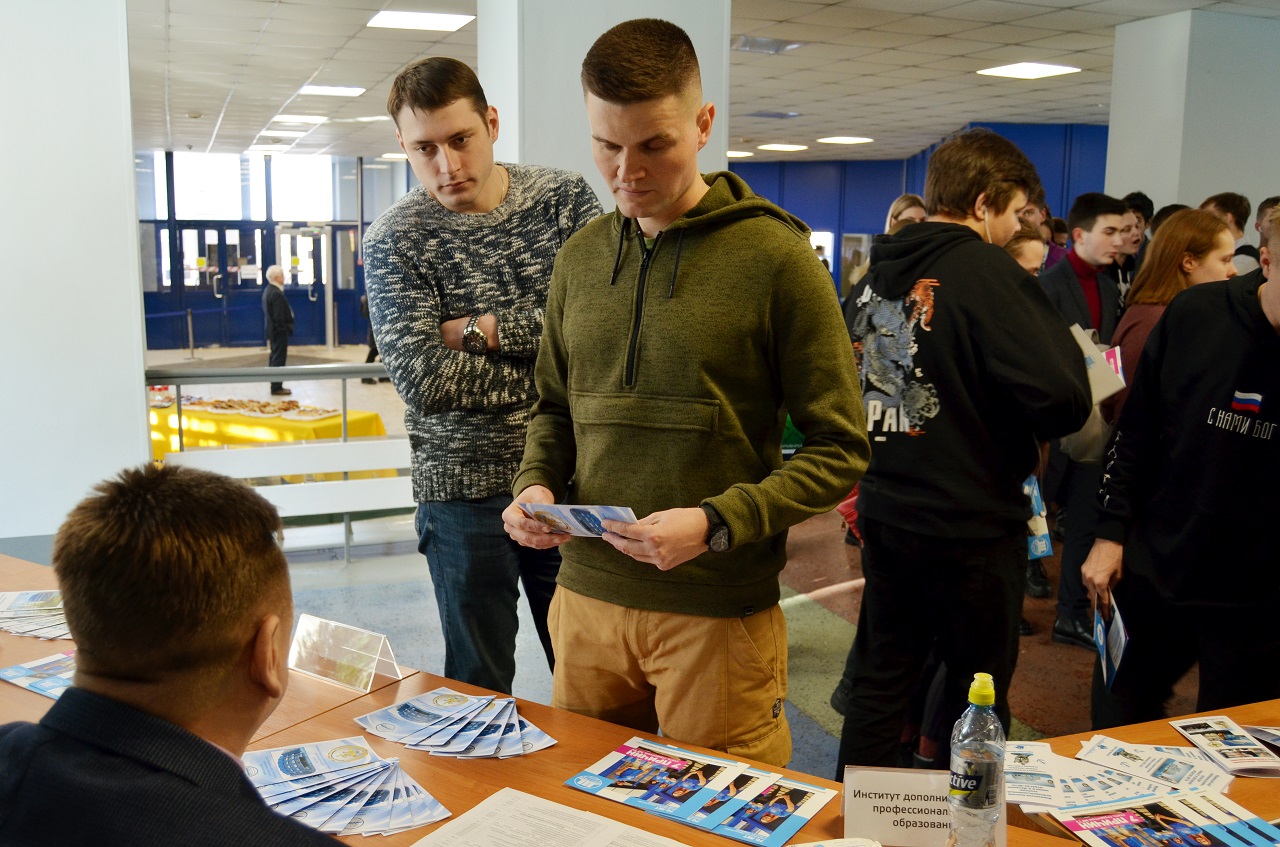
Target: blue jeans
477,570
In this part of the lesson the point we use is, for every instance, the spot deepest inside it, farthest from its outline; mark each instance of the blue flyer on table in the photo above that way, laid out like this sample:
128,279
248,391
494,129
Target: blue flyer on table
776,813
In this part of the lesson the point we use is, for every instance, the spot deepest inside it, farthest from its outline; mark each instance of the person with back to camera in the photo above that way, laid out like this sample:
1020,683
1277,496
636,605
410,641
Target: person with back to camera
1187,502
1193,247
966,367
680,330
177,596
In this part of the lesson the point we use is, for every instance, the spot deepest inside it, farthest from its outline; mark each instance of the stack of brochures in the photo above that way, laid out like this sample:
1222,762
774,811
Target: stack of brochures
1105,770
1228,745
35,613
447,723
341,787
49,676
1185,819
718,795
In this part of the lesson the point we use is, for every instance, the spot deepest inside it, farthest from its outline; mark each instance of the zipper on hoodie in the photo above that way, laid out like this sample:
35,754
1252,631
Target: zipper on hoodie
646,252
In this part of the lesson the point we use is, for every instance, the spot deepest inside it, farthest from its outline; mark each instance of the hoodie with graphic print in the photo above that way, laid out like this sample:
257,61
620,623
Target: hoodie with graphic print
664,379
966,367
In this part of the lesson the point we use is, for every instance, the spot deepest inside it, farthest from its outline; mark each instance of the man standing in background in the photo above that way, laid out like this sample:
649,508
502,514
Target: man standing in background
279,323
456,274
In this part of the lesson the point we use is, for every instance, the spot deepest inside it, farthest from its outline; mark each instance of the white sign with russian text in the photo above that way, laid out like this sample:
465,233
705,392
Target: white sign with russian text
900,807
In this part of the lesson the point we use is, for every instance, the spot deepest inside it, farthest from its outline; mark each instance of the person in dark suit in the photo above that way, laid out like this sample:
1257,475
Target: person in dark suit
177,596
1085,294
279,323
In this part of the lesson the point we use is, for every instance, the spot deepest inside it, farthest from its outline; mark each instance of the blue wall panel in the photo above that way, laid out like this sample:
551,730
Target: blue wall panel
811,192
869,189
1086,162
765,178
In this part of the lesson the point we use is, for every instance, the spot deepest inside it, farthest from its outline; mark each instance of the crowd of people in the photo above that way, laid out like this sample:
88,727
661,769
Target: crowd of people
649,357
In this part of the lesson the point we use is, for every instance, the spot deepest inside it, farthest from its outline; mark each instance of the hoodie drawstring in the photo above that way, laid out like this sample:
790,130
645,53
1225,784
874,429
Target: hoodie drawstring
671,292
617,259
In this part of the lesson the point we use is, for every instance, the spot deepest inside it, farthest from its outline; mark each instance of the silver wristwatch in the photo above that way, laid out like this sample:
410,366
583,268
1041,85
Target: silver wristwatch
474,339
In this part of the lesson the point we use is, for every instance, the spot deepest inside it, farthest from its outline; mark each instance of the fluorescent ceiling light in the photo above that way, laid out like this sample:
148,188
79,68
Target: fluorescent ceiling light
332,90
374,118
269,148
775,115
299,119
394,156
768,46
784,148
1029,70
845,139
282,133
421,20
738,154
375,167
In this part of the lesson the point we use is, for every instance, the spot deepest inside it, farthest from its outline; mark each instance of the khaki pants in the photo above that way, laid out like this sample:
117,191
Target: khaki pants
714,682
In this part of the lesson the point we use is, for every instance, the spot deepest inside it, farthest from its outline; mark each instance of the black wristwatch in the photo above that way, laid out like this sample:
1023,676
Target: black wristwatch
474,339
717,530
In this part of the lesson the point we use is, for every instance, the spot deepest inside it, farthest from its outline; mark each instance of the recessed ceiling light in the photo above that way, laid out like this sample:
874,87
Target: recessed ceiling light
784,148
775,115
421,20
738,154
1029,70
374,118
268,148
394,156
299,119
845,139
332,90
756,44
283,133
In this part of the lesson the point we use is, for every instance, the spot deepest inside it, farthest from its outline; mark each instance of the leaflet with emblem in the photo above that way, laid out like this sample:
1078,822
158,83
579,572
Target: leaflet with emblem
49,676
776,814
1231,748
583,521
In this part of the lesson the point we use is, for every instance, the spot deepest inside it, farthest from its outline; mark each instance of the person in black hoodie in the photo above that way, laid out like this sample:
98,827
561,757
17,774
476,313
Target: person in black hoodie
1187,500
966,370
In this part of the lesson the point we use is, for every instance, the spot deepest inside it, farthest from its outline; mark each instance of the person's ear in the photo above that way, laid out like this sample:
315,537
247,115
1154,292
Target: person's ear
1266,262
1189,263
980,209
706,117
491,119
268,667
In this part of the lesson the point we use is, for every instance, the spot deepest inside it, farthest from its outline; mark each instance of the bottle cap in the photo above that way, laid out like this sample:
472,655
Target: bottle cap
982,692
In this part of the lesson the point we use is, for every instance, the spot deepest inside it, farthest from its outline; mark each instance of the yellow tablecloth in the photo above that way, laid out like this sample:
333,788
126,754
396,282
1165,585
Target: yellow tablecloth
202,428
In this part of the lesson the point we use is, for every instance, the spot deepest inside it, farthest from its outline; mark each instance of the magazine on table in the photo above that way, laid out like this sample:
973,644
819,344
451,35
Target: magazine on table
1184,819
776,813
1229,745
1266,734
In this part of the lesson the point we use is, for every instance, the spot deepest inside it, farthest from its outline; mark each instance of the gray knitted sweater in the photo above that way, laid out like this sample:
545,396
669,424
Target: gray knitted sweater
466,414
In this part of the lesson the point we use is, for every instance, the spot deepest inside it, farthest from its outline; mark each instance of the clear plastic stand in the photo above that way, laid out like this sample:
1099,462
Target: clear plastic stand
341,654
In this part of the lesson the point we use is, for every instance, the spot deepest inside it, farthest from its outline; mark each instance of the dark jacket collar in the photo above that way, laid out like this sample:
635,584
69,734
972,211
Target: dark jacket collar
123,730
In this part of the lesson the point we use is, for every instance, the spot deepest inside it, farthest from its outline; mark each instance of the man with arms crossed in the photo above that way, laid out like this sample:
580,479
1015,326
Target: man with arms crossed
966,368
177,596
680,329
457,274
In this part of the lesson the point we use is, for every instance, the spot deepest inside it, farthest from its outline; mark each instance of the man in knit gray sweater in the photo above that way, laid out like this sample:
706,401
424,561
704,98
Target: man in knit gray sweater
456,273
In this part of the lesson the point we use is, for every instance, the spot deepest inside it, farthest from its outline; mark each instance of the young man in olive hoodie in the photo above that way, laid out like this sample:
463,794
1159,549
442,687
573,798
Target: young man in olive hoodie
680,330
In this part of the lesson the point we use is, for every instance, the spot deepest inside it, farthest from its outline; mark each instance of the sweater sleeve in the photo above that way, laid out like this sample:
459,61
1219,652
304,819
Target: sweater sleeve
815,368
1135,444
1030,351
549,449
520,330
404,309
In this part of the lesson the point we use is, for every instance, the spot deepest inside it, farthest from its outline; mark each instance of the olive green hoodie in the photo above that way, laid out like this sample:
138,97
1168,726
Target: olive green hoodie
664,381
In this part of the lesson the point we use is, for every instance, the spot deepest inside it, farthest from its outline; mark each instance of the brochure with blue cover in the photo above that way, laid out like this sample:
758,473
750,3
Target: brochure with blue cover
776,814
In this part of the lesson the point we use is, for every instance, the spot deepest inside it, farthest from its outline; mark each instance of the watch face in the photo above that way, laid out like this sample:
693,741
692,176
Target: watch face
474,340
719,540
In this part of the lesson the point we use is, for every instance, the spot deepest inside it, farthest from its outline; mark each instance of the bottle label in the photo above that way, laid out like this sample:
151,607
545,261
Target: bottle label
975,782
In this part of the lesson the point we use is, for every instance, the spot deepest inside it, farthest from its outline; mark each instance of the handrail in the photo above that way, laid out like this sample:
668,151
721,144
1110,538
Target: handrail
170,375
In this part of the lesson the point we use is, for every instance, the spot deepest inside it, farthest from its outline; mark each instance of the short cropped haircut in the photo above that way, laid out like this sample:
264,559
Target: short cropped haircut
433,83
1161,277
1136,201
1163,215
904,202
1059,227
973,163
163,570
1273,243
639,60
1235,205
1265,207
1090,206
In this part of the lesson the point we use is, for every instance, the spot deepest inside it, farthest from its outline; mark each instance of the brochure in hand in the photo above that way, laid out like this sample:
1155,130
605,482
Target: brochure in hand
1184,819
341,787
583,521
1111,638
1229,746
49,676
445,722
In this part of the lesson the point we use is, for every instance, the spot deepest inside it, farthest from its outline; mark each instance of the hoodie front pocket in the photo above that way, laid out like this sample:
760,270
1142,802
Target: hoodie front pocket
644,411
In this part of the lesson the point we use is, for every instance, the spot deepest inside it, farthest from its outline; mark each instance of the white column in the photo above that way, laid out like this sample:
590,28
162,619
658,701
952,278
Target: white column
1190,111
71,329
530,55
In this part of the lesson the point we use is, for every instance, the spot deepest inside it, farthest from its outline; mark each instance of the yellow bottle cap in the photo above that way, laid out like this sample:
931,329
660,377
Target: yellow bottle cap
982,692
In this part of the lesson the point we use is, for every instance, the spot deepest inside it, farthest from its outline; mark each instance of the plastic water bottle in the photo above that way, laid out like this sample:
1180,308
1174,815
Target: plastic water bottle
976,796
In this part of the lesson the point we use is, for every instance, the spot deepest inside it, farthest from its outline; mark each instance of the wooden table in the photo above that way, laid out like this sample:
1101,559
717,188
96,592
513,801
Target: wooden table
306,697
581,741
1260,796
